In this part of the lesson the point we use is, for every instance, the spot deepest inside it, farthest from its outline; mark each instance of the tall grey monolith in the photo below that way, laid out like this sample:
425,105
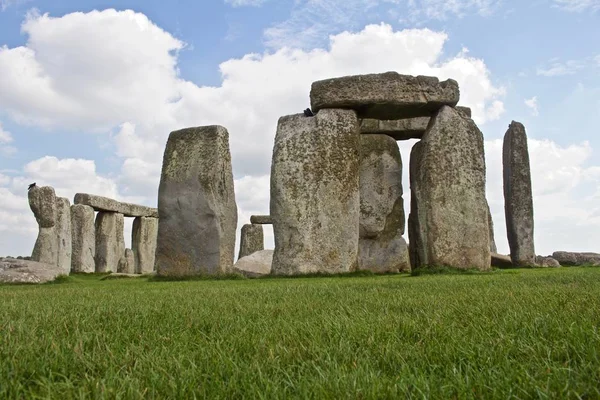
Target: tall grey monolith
109,245
448,225
518,198
381,246
196,204
251,240
63,234
315,203
42,201
83,239
143,243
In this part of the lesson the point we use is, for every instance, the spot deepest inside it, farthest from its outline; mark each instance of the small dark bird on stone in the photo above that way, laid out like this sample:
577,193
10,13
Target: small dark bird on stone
308,113
31,186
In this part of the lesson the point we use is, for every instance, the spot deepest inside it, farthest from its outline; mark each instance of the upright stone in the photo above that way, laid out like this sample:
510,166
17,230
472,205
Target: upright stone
518,199
42,201
127,262
196,204
120,234
108,247
493,248
143,243
63,234
315,203
251,240
83,235
448,225
381,246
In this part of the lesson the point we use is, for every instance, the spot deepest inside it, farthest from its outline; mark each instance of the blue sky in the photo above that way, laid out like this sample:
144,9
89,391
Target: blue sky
89,91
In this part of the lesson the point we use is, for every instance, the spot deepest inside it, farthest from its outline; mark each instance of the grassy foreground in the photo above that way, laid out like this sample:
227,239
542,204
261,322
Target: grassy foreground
516,333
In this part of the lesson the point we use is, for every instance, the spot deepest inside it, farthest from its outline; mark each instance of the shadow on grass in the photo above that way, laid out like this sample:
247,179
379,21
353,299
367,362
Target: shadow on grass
452,271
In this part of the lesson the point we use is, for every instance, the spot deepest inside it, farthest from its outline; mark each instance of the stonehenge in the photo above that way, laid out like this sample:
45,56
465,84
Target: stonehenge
83,232
196,204
251,240
143,243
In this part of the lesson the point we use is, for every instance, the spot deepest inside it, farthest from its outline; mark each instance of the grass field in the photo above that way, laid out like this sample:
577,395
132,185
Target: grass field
515,333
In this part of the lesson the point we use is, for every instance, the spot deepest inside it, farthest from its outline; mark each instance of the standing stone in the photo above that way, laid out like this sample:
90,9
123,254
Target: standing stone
84,239
196,204
143,243
251,240
42,201
120,235
518,199
448,225
381,246
315,203
493,248
63,233
127,262
109,250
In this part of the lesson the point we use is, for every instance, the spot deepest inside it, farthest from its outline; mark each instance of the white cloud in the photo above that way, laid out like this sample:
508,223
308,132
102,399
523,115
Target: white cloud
6,138
556,68
533,105
421,11
578,5
243,3
4,4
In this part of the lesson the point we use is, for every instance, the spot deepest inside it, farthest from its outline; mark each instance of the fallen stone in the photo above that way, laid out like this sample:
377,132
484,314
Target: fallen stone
100,203
500,261
127,262
315,203
42,201
251,240
196,203
385,96
143,243
575,259
84,239
261,219
550,262
448,225
63,234
23,271
518,199
109,248
381,224
255,265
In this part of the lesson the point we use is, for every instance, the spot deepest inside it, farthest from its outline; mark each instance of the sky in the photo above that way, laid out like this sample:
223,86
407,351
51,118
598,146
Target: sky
90,90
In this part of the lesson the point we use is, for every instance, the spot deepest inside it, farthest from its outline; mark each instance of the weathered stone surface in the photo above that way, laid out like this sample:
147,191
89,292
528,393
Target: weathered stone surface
196,204
518,199
23,271
63,234
255,265
448,225
493,248
465,110
573,259
83,234
45,249
385,96
261,219
143,243
127,262
100,203
109,247
251,240
42,201
315,202
549,262
381,224
501,261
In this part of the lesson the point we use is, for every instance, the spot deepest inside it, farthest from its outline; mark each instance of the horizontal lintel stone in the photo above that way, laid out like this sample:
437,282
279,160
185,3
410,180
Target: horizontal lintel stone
99,203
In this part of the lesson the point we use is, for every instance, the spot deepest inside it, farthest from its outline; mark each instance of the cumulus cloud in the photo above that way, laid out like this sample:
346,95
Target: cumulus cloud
5,139
533,105
578,5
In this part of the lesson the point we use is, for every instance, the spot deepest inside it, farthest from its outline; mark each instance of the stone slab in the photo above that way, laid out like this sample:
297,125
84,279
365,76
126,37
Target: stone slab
99,203
83,239
143,243
23,271
574,259
261,219
64,235
251,239
255,265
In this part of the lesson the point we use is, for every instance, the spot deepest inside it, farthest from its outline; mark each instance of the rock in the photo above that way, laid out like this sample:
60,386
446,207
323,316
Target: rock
493,248
465,110
251,240
448,225
84,239
109,248
574,259
385,96
518,200
381,224
546,262
261,219
63,234
255,265
315,203
143,243
127,262
100,203
196,204
42,201
500,261
23,271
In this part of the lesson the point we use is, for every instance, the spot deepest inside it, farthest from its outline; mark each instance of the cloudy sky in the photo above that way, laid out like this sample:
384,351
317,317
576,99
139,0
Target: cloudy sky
90,90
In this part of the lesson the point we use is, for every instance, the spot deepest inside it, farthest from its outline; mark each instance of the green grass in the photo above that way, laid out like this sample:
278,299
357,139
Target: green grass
507,334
